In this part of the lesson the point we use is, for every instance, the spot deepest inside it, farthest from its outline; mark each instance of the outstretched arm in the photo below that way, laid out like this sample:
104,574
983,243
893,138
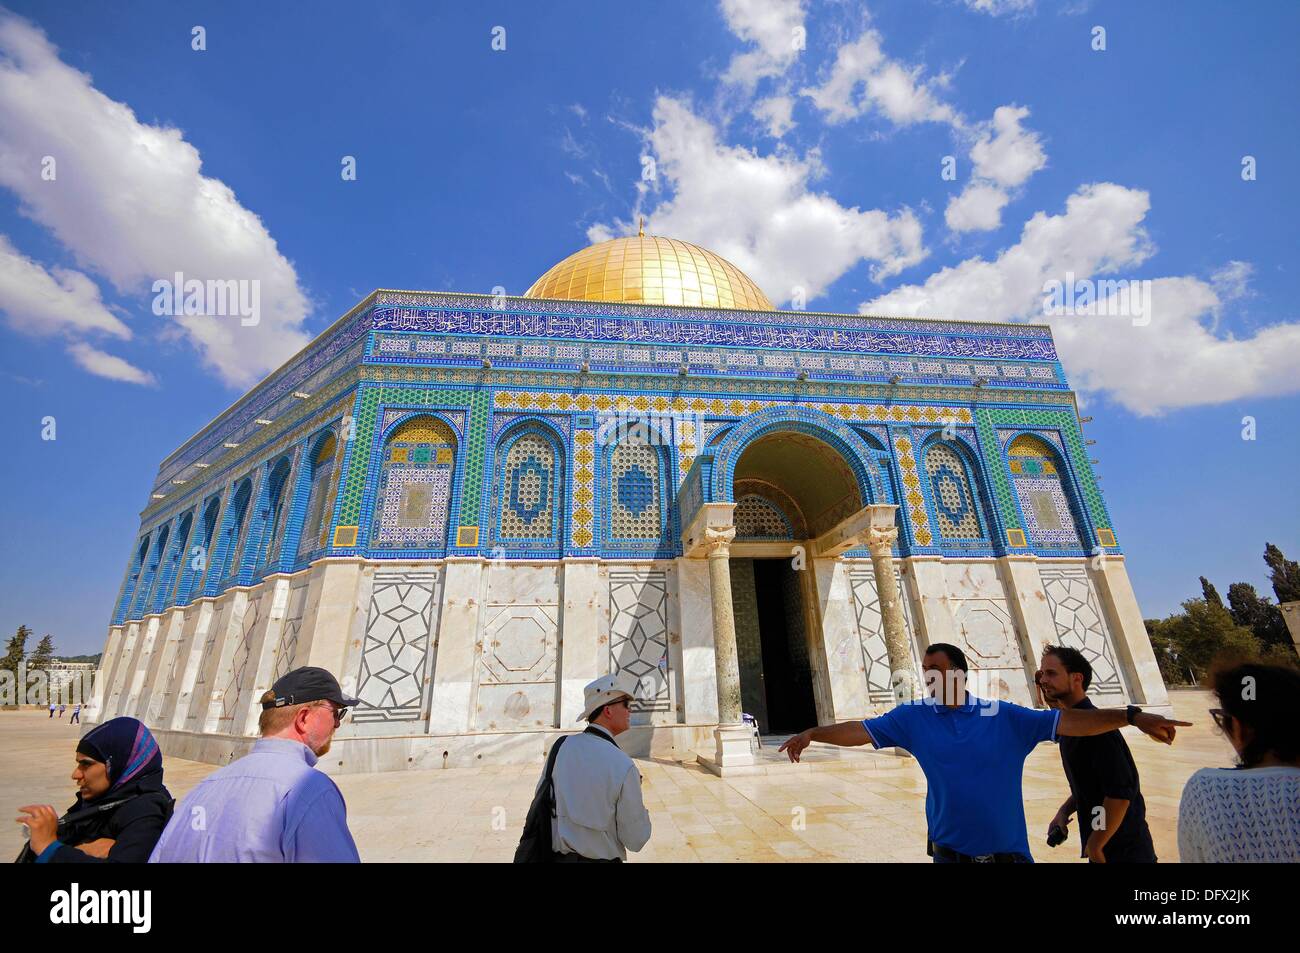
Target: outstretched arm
1078,722
847,734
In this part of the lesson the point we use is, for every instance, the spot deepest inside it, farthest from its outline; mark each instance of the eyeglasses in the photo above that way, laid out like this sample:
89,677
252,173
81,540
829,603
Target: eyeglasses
1221,718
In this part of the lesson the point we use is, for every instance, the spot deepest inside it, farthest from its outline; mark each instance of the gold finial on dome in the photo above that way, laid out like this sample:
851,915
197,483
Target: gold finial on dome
648,269
640,232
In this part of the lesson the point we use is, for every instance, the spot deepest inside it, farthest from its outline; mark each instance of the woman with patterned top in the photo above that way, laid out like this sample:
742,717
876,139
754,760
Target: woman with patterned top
1250,813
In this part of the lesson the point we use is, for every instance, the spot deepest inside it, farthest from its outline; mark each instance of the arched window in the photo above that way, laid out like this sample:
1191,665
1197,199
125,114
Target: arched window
277,509
635,502
232,542
153,578
529,486
195,560
316,523
414,501
955,503
1044,501
175,567
134,575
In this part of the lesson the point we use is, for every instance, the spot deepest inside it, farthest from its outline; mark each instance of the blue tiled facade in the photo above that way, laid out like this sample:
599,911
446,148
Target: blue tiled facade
532,469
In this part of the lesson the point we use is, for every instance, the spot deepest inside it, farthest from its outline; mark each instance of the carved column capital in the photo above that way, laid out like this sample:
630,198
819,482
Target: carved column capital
717,541
881,537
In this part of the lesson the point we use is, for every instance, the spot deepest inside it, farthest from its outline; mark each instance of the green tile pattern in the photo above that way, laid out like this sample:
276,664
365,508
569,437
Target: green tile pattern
987,422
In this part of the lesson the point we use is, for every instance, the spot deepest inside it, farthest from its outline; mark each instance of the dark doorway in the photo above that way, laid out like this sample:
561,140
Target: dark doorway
786,671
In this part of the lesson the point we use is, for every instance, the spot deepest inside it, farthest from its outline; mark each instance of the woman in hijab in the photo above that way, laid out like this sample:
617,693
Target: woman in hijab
121,808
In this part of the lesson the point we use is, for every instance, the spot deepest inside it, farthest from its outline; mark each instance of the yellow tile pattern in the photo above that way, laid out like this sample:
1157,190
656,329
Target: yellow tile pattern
646,269
584,497
720,406
912,491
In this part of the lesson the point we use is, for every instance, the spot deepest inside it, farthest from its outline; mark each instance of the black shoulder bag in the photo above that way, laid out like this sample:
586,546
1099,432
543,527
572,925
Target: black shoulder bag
535,842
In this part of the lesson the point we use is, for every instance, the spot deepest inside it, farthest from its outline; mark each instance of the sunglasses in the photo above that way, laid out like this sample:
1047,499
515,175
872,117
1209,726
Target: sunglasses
1221,718
339,713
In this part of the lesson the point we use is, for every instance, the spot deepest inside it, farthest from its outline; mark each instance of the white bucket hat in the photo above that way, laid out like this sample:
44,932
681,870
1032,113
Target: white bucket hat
606,689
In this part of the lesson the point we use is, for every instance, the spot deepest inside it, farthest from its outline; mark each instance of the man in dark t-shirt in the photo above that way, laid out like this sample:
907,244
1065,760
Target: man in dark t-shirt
1104,787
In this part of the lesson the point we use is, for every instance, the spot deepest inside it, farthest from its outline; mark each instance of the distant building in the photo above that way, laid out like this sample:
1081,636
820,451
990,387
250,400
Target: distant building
62,674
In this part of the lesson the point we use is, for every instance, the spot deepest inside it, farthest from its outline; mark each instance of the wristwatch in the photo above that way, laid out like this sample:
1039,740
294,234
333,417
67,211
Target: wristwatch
1132,712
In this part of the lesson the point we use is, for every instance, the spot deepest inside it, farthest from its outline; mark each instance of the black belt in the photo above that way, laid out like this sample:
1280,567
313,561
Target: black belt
947,853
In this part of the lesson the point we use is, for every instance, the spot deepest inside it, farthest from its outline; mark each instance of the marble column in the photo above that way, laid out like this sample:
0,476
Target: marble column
731,737
880,538
718,546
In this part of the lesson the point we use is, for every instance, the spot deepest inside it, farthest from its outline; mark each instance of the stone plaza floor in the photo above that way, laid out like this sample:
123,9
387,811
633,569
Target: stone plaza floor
869,806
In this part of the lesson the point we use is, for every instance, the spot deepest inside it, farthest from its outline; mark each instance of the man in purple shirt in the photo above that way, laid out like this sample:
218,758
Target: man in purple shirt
272,805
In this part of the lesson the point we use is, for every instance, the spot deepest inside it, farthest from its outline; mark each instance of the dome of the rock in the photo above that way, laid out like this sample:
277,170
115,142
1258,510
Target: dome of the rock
646,269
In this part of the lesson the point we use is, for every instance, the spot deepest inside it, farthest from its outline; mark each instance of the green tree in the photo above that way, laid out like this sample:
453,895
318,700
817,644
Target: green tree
1255,612
1284,574
1210,593
1202,633
1171,670
44,654
15,650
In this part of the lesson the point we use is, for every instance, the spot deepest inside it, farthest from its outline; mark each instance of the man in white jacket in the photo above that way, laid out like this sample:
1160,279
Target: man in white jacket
599,815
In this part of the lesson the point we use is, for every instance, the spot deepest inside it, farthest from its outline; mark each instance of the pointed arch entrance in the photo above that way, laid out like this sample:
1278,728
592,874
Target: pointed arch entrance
794,479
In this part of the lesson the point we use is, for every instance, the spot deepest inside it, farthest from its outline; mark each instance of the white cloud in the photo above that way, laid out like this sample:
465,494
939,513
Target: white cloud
1003,156
758,213
1005,152
1232,281
131,204
772,26
999,8
42,303
777,113
1170,357
106,365
978,208
864,78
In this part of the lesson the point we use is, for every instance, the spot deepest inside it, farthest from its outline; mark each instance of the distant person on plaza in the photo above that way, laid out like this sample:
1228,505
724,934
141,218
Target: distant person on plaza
272,805
599,814
52,707
121,807
973,752
1250,813
1102,775
76,715
62,709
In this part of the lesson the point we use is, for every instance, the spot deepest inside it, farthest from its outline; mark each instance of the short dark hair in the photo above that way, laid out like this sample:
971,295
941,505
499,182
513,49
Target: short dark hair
956,657
1269,711
596,713
1073,661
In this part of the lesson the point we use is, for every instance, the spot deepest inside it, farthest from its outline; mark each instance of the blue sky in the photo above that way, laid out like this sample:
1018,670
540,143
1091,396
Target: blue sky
816,168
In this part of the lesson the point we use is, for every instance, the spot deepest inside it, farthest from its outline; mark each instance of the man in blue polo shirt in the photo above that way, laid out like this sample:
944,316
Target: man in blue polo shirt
972,752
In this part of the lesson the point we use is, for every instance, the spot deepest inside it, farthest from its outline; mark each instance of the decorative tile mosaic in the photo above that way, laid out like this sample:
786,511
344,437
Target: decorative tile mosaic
582,519
634,511
912,495
950,488
528,489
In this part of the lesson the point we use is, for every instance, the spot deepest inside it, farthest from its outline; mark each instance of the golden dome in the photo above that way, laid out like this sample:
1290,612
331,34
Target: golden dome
645,269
